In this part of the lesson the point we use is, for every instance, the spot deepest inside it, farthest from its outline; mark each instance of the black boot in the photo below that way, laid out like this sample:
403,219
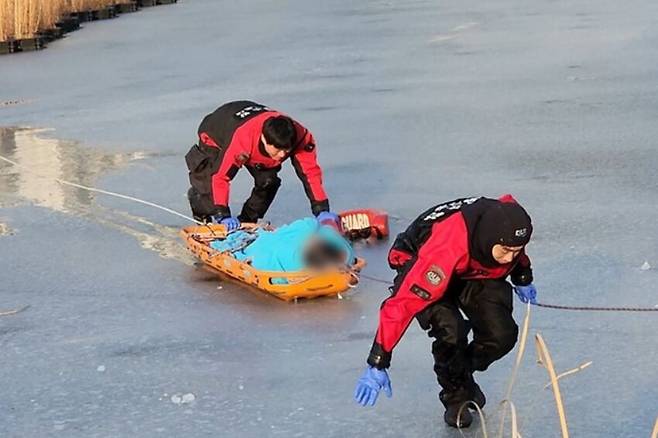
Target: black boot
453,402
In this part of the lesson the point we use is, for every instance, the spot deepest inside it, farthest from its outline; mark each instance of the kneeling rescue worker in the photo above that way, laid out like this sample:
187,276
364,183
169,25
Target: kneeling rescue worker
455,256
245,133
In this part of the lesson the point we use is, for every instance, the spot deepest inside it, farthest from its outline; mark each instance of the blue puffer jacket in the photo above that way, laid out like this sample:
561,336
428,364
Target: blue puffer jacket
283,249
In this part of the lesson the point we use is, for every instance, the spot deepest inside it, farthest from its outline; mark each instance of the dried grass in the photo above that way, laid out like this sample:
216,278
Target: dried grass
24,18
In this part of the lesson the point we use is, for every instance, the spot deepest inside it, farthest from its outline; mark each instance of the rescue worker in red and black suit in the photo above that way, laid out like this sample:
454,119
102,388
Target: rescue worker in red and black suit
455,256
245,133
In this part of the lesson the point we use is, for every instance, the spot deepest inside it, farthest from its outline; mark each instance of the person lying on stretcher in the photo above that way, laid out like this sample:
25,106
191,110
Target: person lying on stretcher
303,244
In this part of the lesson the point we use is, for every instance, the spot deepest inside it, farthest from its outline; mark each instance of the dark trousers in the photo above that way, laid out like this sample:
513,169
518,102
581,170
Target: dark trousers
266,185
488,306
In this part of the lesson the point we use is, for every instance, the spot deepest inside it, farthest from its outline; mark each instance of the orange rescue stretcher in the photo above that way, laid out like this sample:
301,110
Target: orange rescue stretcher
301,284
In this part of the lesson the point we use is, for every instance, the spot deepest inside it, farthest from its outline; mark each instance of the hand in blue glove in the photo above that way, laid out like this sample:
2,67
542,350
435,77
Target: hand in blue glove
329,218
231,223
526,293
368,386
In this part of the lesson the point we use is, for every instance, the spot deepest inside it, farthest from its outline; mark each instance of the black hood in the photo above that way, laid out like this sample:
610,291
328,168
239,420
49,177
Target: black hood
492,222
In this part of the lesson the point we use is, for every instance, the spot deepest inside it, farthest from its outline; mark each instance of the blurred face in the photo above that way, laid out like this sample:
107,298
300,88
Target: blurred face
505,254
273,151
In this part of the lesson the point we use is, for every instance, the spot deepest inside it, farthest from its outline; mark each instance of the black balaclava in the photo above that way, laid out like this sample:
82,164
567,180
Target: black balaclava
504,223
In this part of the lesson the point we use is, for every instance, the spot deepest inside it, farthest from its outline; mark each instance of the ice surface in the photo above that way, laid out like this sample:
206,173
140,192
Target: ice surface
412,103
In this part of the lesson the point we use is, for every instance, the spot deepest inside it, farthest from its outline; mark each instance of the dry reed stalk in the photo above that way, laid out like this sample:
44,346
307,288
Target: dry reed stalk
88,5
6,19
24,18
52,11
27,17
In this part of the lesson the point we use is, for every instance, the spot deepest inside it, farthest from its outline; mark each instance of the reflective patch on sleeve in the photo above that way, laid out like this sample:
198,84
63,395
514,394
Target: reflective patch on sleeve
420,292
434,276
309,147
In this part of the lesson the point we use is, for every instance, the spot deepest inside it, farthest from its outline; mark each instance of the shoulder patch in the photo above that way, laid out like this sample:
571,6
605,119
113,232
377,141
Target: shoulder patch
434,275
420,292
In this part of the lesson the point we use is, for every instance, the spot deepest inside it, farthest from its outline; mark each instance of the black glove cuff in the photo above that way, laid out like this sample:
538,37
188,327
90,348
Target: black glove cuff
522,277
318,207
379,358
221,212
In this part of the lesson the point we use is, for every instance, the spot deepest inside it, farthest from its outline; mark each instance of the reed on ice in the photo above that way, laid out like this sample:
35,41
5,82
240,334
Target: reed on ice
20,19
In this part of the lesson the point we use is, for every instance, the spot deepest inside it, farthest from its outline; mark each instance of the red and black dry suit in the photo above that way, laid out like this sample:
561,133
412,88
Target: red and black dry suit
230,138
444,264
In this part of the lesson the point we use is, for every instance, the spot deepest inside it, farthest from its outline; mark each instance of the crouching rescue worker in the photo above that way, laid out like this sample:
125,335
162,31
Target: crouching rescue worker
249,134
455,257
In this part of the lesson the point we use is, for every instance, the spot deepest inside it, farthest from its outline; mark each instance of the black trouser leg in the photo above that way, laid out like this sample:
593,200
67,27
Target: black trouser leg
488,305
266,184
201,205
202,162
489,309
446,325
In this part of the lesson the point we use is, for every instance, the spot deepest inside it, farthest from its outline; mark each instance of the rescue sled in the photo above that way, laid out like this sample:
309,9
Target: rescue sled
301,284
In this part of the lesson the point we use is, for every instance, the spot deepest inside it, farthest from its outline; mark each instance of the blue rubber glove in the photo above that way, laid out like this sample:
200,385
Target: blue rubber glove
327,218
368,386
526,293
231,223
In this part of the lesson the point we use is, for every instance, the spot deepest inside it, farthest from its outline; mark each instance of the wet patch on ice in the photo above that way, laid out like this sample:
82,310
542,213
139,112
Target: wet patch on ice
5,230
162,239
45,160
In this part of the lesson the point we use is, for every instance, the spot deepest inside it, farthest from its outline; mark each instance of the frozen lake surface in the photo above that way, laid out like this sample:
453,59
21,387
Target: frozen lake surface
412,103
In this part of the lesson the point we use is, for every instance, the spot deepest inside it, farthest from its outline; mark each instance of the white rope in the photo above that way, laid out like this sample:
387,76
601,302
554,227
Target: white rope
104,192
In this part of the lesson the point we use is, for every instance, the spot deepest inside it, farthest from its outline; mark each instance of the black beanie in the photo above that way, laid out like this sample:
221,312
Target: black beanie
504,223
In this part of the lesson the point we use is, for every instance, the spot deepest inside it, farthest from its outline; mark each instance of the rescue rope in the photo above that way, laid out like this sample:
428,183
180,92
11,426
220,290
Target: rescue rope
598,309
104,192
377,280
555,306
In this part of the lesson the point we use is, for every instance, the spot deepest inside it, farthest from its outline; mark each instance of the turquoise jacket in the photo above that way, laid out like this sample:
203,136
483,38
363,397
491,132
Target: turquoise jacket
283,249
